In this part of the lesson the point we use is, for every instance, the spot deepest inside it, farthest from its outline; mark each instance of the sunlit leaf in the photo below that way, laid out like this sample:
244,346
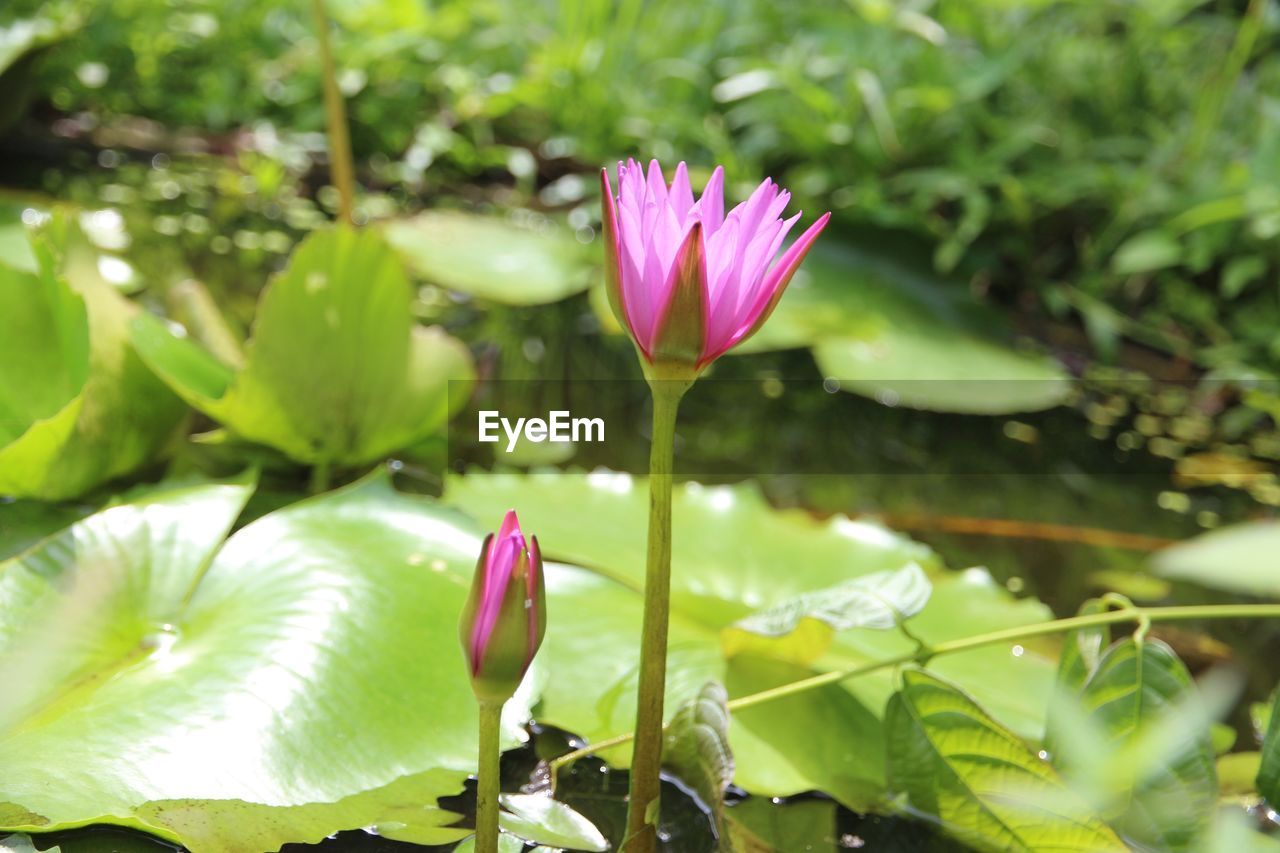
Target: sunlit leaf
308,666
983,784
801,628
1167,793
733,555
543,820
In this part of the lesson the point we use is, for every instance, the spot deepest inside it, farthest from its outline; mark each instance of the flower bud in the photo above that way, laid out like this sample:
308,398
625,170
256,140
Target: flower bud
506,613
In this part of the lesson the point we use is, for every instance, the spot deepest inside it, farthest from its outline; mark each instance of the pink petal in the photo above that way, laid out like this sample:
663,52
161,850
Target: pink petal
681,194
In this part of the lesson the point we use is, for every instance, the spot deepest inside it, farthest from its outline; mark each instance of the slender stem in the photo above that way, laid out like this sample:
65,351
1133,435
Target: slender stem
319,477
488,781
1026,632
1214,98
341,165
646,757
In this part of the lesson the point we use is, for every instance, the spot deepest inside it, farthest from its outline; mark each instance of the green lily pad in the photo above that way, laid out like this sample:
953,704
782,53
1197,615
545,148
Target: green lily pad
885,328
308,666
733,555
1239,558
542,820
492,258
337,370
77,406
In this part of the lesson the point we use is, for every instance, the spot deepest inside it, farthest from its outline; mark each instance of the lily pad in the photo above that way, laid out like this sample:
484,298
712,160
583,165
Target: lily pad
308,666
1240,558
494,259
885,328
337,370
733,555
77,406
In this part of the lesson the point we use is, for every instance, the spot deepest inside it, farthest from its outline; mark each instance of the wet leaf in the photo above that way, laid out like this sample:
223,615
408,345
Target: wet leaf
459,251
982,783
337,370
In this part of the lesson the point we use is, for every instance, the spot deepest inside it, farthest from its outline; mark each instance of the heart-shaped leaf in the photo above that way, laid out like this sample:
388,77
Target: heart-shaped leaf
308,667
337,370
982,783
1165,795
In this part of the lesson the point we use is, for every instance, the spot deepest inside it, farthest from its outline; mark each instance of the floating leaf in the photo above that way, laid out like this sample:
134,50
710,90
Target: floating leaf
543,820
308,666
1239,558
1269,767
696,749
733,555
77,407
957,765
801,628
885,327
336,372
493,258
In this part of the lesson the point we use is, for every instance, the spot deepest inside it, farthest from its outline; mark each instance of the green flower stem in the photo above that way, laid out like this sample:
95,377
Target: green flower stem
1141,615
341,166
646,758
319,477
489,778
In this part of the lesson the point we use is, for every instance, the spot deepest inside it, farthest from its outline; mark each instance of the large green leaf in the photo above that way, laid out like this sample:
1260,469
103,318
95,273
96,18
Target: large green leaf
1240,558
77,406
984,785
733,555
885,328
21,43
337,370
1152,764
492,258
1269,767
308,668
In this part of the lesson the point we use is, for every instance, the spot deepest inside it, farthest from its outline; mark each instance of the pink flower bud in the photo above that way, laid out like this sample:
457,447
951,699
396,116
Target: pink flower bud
506,614
686,280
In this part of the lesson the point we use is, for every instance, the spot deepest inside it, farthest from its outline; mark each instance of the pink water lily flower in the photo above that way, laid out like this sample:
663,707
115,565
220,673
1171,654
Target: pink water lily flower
688,281
506,614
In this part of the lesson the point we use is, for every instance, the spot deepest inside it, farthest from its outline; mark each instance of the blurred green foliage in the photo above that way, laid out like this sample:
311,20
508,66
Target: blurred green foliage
1119,159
